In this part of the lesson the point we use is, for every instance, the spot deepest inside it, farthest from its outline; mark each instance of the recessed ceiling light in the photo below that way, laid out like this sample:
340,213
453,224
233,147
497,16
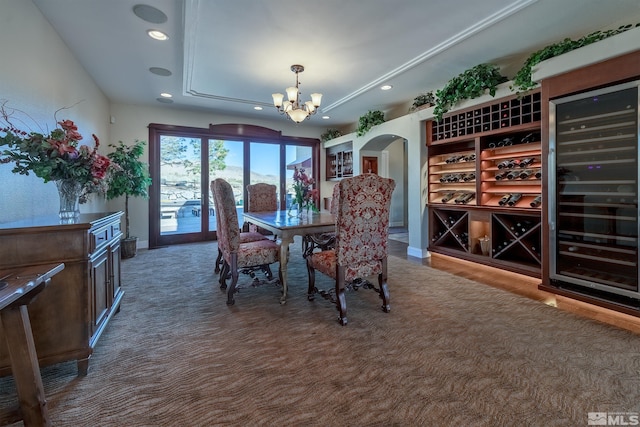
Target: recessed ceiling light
257,107
166,95
386,87
160,71
157,34
165,100
326,117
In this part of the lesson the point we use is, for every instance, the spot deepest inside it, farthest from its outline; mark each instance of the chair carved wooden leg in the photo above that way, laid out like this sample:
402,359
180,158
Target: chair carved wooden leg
341,299
223,275
384,294
234,279
218,262
384,289
311,291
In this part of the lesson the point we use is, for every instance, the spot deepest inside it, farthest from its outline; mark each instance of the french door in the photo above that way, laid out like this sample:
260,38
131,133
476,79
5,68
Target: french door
183,161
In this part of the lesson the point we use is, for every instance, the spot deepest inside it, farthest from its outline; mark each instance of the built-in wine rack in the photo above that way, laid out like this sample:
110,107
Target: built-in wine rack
510,112
485,175
452,175
450,229
516,238
512,171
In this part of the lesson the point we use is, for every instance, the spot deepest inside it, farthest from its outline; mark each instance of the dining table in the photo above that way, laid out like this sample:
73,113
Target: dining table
286,225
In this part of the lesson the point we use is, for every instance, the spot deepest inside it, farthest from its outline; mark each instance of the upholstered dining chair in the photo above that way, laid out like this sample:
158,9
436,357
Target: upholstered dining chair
245,237
362,231
237,255
261,197
322,241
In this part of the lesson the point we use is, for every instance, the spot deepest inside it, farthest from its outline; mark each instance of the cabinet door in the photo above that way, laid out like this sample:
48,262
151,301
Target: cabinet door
100,289
114,268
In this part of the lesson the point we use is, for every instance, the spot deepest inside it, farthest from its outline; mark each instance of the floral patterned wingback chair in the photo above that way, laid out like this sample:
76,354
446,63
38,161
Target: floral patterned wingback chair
362,231
261,197
245,237
237,255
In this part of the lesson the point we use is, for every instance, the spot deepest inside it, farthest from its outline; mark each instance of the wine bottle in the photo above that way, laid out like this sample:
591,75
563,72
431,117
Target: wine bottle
447,197
504,164
526,173
529,138
538,174
445,178
501,176
513,175
536,202
465,198
526,162
514,199
503,201
469,177
507,141
455,177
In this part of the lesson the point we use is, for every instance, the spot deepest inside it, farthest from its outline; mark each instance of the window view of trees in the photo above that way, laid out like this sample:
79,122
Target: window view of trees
183,161
181,177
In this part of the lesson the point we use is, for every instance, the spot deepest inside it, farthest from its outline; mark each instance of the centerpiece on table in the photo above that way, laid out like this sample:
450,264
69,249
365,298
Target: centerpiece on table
303,192
77,170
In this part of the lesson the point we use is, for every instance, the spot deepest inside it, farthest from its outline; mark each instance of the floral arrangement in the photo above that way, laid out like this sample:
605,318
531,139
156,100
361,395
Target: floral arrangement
304,193
55,156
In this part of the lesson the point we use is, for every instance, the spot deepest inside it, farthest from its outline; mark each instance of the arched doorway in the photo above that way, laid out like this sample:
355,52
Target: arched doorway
387,154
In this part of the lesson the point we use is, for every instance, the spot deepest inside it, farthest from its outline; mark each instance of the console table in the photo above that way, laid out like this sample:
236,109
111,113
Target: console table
69,315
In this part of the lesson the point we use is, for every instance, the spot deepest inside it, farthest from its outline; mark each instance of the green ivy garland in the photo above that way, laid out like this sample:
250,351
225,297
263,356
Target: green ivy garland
522,80
470,84
330,134
369,120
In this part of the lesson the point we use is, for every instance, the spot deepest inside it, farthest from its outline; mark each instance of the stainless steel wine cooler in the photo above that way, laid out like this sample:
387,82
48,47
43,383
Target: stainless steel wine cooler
593,191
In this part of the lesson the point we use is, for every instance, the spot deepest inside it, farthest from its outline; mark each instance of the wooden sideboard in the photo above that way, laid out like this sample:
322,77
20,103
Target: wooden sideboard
68,317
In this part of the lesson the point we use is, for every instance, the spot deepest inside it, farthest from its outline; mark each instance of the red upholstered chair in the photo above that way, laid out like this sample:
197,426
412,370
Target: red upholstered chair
322,241
261,197
237,255
362,231
245,237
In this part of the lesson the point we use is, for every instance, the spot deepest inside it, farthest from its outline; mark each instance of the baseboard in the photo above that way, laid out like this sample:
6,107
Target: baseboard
418,252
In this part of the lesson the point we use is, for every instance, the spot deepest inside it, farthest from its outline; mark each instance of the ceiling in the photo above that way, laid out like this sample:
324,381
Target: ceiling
228,57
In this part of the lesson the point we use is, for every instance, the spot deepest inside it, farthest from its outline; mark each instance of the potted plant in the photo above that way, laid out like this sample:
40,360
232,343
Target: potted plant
330,134
470,84
423,100
132,179
369,120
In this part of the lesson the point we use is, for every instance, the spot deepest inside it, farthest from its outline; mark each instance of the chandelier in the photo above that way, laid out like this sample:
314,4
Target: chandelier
292,107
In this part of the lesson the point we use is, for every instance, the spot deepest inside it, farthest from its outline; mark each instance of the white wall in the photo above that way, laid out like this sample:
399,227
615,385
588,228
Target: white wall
39,76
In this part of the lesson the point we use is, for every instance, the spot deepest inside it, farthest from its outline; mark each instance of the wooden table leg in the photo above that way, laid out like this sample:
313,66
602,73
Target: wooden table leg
284,259
24,365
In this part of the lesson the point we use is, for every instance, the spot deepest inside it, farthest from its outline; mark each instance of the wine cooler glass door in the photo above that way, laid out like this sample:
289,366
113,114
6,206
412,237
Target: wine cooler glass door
593,209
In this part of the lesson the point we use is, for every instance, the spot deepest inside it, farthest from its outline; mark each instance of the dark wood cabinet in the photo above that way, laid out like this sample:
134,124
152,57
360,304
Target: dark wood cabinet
68,317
